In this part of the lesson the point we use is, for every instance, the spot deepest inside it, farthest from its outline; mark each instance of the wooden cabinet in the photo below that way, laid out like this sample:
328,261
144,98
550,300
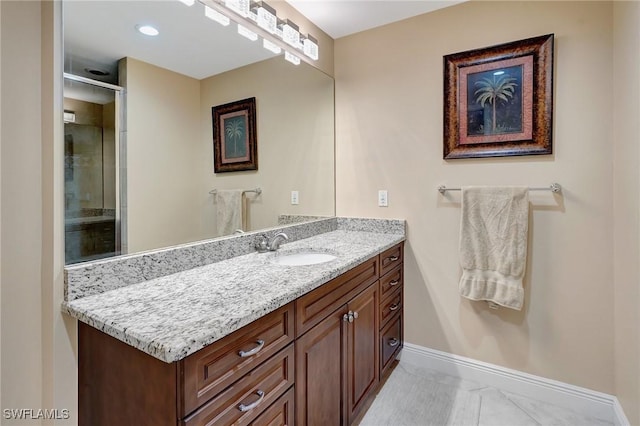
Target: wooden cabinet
319,373
391,307
362,354
343,328
317,361
229,382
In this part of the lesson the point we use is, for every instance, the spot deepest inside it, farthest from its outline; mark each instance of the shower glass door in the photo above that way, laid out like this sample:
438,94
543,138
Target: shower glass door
91,151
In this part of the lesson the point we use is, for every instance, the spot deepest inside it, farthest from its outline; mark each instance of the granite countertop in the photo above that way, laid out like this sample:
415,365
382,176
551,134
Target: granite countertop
174,316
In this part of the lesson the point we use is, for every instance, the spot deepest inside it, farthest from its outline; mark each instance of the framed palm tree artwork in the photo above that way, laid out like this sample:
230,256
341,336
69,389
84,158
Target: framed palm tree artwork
498,101
234,136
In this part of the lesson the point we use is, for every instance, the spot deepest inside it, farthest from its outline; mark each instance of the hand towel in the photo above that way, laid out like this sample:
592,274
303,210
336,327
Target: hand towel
493,244
229,211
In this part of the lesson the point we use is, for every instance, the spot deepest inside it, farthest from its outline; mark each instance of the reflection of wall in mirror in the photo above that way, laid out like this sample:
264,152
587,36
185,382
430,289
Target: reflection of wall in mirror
170,148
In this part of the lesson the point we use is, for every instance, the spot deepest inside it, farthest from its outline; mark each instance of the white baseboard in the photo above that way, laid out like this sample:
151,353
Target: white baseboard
619,418
586,401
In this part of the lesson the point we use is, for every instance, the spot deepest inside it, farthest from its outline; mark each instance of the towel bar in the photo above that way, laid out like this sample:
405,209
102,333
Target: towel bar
554,187
258,191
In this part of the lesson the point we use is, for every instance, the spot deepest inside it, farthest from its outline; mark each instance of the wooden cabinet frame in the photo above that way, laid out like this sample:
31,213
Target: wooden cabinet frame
322,356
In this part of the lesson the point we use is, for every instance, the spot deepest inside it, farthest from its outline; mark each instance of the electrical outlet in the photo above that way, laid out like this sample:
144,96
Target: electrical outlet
294,198
383,198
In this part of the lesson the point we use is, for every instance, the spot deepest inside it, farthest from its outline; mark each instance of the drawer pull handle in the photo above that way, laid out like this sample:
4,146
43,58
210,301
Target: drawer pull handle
394,307
254,404
258,348
393,258
393,342
394,283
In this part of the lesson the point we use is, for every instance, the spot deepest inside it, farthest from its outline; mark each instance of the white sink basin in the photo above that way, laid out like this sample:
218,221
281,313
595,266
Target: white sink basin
303,258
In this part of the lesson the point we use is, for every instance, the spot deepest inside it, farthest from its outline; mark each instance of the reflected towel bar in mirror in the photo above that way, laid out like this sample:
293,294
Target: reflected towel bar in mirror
258,191
554,187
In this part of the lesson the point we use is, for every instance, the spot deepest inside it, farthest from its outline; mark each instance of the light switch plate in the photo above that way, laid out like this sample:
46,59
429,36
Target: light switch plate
295,198
383,198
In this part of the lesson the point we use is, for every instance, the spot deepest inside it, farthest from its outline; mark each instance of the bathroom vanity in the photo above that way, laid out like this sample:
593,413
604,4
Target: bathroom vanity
317,357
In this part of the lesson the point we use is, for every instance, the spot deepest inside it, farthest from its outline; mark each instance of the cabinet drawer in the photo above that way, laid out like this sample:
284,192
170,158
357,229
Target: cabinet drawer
212,369
318,304
243,401
390,343
391,258
280,413
390,282
390,306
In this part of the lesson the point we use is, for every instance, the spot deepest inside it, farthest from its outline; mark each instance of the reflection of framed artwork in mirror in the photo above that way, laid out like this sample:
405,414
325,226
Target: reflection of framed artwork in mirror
234,136
498,100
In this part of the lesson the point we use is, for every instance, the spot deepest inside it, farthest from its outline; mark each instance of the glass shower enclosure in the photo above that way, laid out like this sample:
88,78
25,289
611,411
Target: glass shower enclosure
92,140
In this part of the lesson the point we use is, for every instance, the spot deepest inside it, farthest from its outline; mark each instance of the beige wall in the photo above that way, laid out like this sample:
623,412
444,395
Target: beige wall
38,367
626,193
389,136
21,193
295,124
163,136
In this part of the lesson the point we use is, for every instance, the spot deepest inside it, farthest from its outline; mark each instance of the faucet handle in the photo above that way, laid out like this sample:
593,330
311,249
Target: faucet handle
274,242
262,244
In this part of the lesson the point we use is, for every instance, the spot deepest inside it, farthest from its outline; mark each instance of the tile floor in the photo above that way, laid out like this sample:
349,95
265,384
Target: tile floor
415,396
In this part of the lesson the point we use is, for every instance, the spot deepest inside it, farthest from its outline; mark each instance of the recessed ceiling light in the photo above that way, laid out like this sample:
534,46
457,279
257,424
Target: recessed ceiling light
147,30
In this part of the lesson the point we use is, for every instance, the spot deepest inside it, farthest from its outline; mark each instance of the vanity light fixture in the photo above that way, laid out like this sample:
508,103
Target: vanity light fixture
216,16
241,7
291,58
246,32
290,32
265,16
258,19
147,30
310,47
271,46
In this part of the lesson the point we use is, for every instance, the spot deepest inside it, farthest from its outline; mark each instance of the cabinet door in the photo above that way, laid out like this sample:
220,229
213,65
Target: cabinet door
319,373
279,414
362,350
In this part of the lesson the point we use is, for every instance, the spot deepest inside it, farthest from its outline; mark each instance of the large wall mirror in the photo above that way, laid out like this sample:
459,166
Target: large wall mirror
139,159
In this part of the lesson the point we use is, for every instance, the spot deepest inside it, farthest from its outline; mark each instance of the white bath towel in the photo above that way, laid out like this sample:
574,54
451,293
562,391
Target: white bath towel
230,211
493,244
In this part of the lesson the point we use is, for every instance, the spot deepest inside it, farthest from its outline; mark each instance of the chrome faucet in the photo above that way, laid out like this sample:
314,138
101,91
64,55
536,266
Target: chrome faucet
264,243
274,241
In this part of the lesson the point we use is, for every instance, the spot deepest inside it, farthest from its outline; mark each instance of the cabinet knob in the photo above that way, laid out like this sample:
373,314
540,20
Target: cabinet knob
393,342
350,316
255,350
254,404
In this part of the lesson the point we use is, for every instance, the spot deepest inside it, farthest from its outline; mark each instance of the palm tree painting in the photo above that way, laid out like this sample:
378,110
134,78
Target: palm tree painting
495,101
235,130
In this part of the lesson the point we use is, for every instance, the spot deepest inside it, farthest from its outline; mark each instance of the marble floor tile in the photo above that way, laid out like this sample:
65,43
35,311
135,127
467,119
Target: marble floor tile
411,397
552,415
417,396
497,410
